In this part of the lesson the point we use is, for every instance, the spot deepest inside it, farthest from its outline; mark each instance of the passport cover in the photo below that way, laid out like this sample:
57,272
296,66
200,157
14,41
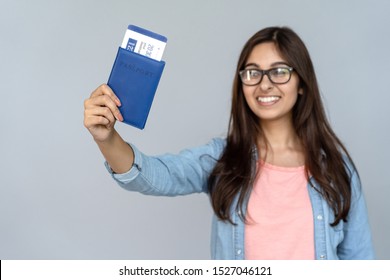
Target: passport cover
134,79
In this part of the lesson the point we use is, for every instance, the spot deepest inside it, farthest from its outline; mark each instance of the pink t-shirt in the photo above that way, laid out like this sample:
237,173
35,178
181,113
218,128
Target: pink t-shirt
280,218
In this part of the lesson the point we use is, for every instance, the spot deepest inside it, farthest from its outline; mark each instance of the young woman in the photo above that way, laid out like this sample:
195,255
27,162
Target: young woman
281,184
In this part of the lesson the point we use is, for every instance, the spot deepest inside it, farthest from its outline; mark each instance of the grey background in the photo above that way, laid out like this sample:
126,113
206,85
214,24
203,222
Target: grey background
56,199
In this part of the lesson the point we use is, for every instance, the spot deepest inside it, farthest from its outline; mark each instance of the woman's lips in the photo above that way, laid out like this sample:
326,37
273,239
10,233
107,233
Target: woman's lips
268,100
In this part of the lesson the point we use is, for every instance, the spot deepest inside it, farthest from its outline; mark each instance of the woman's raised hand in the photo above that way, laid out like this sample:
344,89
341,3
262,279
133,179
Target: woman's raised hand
100,113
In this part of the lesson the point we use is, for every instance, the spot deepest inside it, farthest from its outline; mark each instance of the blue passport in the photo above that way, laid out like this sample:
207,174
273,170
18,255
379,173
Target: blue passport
134,79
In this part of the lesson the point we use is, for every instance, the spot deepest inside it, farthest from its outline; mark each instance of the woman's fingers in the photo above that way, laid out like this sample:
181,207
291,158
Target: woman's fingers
98,116
106,90
104,101
91,121
105,98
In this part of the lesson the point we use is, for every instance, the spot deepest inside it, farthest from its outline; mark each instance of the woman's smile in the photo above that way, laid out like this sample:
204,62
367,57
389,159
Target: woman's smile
268,100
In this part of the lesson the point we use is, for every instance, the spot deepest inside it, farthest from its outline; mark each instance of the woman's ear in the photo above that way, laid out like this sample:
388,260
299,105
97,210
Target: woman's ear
300,88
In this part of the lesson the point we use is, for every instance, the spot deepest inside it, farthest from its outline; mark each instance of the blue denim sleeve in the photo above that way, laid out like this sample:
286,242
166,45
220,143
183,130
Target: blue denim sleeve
171,174
357,243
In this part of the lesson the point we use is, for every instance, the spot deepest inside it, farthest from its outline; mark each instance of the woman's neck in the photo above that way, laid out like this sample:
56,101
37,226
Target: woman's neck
279,144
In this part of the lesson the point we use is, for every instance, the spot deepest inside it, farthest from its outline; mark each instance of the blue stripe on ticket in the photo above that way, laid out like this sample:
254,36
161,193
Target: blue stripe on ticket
148,33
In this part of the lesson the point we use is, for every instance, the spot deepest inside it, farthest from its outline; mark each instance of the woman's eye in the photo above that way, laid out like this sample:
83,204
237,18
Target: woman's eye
278,72
254,74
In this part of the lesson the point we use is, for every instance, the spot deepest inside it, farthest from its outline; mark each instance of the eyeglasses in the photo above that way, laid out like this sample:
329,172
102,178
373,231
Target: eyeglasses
278,75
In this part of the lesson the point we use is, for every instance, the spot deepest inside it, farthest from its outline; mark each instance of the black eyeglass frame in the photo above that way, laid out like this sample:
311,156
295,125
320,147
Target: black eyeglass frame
266,72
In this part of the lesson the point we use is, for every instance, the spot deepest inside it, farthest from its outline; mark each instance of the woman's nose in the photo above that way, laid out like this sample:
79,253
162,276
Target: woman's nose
266,84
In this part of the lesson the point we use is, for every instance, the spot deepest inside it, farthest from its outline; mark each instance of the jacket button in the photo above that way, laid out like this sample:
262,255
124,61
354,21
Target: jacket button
322,257
238,252
319,217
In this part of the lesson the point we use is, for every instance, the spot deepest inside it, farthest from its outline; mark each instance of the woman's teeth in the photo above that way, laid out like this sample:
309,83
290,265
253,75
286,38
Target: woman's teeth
268,99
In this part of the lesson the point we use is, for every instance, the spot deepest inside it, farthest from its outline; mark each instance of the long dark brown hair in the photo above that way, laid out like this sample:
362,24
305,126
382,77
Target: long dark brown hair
324,154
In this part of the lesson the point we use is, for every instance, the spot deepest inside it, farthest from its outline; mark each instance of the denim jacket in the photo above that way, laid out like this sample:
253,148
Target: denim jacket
188,172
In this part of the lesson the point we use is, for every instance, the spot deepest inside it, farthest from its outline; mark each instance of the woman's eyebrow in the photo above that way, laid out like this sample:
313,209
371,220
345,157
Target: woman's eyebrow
279,63
252,64
272,65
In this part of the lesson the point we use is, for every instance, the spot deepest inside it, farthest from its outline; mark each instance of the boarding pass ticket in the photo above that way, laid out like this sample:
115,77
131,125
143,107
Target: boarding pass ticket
144,42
